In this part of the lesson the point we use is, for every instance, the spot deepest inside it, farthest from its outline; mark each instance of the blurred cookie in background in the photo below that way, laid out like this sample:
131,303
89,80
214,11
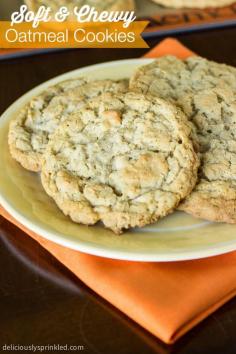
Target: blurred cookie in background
100,5
193,3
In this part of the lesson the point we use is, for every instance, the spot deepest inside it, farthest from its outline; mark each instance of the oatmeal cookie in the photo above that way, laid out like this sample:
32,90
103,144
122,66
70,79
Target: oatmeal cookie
206,92
30,131
124,159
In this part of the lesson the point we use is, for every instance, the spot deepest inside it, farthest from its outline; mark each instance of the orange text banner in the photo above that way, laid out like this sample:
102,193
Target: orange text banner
72,35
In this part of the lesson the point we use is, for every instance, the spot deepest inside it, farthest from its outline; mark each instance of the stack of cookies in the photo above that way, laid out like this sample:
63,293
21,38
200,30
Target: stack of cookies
129,153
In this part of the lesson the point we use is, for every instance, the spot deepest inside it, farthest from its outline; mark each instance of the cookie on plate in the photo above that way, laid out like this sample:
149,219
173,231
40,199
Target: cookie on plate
100,5
193,3
30,131
124,159
206,91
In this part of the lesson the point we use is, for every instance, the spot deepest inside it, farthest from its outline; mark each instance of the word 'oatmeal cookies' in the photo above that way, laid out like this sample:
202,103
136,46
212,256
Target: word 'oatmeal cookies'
124,159
206,91
194,4
30,131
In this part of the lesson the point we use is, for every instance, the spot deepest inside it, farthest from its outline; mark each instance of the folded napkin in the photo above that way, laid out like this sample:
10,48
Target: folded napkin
167,299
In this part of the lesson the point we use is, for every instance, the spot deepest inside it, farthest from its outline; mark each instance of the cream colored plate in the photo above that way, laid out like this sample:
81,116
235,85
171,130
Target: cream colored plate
176,237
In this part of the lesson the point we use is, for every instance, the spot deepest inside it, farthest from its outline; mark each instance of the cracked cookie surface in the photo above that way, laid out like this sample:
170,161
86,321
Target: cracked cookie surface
206,92
30,131
123,159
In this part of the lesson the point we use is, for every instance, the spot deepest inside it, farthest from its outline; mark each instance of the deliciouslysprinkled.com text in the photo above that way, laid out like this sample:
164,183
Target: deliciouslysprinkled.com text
42,348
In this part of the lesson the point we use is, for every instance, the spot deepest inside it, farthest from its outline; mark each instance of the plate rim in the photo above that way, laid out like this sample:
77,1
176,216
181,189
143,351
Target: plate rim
81,245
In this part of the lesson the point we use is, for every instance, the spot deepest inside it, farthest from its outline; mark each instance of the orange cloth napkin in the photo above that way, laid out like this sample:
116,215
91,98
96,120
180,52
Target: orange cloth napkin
167,299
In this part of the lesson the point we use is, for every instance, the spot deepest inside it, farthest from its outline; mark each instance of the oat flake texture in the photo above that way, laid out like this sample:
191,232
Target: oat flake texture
30,131
206,92
124,159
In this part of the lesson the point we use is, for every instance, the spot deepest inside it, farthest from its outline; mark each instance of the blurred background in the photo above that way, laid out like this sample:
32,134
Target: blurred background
163,21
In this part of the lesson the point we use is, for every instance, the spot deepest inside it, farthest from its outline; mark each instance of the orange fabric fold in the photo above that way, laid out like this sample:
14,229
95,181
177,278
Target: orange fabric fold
169,46
167,299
